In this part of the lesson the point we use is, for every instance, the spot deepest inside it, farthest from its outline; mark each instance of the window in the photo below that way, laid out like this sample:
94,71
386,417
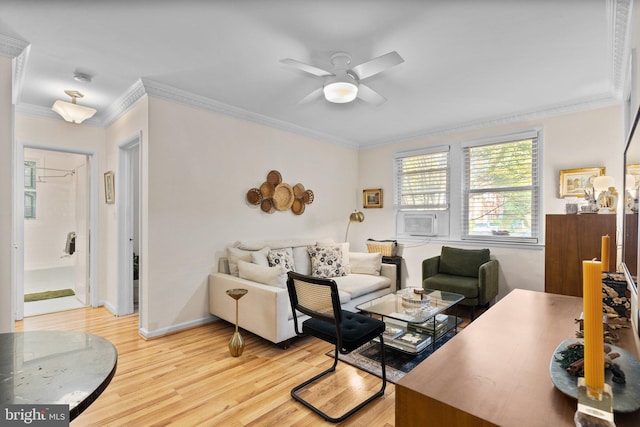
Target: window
29,190
422,180
501,190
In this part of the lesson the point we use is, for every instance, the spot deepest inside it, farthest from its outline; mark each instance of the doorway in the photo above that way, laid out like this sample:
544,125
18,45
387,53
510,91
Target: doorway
129,229
56,228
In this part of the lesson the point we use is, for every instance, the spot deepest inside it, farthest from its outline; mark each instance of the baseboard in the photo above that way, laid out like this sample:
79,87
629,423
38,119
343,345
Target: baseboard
109,307
175,328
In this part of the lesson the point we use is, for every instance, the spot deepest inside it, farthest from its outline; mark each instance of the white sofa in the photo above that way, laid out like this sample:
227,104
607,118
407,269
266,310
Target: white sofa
265,310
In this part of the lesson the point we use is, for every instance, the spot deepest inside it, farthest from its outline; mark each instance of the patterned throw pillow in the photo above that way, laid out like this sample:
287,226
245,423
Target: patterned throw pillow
326,262
281,257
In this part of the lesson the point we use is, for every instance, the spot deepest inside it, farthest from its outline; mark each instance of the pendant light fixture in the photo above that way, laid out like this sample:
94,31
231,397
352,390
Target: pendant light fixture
72,112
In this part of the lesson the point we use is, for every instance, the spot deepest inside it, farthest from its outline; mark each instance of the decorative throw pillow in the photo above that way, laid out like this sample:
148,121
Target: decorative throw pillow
233,256
272,276
260,257
366,263
326,262
281,257
344,248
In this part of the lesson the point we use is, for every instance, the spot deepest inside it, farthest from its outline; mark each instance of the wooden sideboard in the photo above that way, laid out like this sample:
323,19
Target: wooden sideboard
495,372
571,239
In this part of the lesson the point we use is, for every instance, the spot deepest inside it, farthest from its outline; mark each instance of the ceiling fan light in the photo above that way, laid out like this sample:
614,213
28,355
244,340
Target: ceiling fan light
340,92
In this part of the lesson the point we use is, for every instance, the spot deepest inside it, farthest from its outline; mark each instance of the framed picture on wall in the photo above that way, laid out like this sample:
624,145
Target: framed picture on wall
109,188
574,182
372,198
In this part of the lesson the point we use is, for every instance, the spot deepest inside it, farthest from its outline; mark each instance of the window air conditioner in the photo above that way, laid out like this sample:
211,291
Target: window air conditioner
417,224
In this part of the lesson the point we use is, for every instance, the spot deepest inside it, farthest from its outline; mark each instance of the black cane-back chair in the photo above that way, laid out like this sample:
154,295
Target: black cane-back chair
318,298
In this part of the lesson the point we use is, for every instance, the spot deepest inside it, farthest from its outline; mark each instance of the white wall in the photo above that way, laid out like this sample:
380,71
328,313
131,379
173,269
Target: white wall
6,192
46,235
584,139
200,167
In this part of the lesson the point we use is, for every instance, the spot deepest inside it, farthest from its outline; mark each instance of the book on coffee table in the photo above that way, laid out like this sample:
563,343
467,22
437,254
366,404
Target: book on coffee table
412,341
392,331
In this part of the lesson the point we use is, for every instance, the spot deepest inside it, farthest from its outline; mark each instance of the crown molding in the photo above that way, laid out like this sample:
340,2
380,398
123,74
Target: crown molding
603,100
620,12
161,90
123,103
11,47
19,68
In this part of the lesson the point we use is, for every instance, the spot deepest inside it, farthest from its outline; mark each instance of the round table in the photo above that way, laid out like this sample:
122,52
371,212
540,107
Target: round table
55,367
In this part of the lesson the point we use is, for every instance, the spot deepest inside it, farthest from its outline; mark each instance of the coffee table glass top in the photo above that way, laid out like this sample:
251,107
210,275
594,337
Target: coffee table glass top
409,307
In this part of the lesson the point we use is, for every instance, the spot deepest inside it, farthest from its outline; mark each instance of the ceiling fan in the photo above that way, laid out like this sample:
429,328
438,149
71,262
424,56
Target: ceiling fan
343,84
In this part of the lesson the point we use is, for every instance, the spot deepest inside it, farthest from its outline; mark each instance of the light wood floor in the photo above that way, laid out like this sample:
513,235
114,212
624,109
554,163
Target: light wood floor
189,378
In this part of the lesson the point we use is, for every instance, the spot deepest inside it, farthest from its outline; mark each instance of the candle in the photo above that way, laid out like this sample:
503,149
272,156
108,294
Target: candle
604,253
593,333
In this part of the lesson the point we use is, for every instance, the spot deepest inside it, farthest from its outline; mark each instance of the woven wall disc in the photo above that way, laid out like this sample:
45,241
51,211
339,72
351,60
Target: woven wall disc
274,178
283,197
266,205
307,197
267,189
297,207
298,190
254,196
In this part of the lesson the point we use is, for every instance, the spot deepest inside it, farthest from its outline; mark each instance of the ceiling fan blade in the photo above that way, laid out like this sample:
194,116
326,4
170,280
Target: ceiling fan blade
312,96
306,67
377,65
369,95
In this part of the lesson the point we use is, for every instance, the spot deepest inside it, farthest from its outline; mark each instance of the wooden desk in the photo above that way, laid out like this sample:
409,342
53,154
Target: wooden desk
496,371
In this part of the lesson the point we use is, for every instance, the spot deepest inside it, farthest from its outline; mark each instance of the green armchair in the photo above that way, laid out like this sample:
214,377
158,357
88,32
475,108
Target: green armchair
468,272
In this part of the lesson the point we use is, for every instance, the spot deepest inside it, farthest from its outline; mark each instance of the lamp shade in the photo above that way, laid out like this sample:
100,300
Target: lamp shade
356,217
602,183
73,113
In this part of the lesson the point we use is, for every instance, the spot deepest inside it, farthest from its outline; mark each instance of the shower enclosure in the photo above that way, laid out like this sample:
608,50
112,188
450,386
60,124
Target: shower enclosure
56,227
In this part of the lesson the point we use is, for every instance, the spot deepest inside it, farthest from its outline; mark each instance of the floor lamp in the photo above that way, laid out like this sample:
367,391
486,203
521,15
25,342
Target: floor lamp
354,217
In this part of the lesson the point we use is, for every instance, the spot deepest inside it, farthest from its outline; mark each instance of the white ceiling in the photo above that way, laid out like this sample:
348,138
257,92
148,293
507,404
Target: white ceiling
467,63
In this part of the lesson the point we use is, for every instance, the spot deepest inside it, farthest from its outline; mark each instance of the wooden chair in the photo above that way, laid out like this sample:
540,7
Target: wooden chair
318,298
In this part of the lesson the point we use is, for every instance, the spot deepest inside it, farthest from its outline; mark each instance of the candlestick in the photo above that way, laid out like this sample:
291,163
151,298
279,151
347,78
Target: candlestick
593,330
604,253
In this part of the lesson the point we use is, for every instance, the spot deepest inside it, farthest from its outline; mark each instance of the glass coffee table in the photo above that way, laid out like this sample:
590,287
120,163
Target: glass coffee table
415,321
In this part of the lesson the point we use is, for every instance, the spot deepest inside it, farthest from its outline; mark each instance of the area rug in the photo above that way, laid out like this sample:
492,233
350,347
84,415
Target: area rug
39,296
398,363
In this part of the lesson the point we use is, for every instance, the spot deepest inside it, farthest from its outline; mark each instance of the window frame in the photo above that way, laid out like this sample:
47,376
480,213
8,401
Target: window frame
452,230
535,188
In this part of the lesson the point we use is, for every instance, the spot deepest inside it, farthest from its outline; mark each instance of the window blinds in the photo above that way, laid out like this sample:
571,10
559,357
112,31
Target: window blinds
422,180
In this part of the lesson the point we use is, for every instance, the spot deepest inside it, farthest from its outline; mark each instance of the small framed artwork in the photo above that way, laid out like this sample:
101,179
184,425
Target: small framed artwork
372,198
574,182
109,188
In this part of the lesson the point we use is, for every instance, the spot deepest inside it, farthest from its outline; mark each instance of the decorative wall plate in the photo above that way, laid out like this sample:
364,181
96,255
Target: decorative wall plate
283,197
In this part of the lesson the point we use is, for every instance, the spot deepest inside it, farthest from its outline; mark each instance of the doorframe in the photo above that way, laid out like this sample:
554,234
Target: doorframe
124,205
18,212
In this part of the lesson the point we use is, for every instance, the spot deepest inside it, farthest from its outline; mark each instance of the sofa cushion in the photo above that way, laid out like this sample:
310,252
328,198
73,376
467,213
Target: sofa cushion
272,276
366,263
282,257
301,260
235,254
326,262
260,257
360,284
467,286
462,262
